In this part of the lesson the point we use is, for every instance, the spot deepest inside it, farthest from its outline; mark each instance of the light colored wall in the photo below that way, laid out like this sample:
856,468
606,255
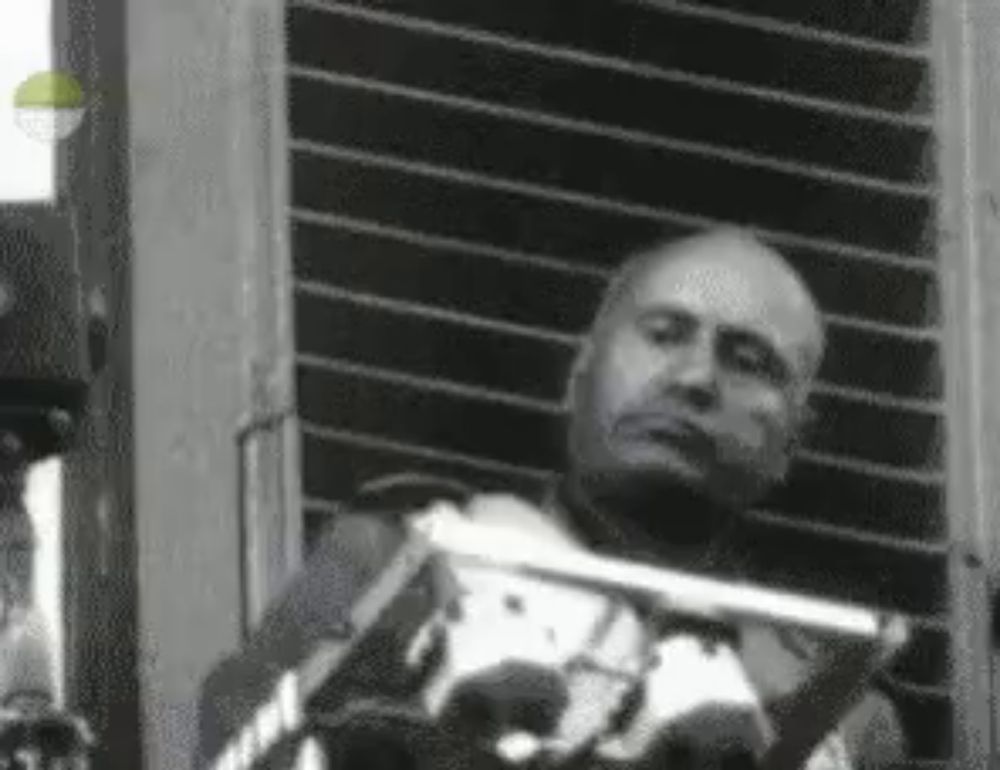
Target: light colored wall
201,212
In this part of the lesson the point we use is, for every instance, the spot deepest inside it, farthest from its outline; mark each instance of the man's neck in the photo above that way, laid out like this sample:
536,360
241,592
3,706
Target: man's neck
666,525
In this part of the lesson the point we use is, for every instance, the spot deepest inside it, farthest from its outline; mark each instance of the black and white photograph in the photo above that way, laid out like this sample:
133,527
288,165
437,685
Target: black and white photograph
499,385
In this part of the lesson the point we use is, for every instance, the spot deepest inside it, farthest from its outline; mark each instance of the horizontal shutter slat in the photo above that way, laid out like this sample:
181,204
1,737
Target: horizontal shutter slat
893,21
514,214
380,258
641,35
891,220
777,125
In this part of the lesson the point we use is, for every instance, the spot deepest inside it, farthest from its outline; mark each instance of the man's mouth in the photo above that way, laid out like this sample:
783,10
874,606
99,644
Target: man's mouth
674,432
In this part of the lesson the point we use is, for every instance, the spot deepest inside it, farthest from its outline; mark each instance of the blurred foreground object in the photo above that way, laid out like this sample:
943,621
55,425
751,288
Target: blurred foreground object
479,645
45,367
34,732
48,337
39,737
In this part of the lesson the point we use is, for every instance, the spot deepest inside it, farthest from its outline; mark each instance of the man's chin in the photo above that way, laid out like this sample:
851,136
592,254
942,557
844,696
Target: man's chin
637,472
660,464
657,503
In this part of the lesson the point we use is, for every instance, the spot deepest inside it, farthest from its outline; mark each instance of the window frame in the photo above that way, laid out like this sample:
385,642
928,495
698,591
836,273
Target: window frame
967,61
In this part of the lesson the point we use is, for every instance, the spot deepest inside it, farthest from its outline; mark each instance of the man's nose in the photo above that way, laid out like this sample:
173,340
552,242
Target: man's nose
696,374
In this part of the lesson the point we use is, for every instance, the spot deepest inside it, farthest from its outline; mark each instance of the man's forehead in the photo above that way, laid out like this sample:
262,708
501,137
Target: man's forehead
733,280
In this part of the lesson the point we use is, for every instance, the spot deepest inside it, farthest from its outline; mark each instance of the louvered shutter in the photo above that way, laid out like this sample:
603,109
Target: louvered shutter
467,173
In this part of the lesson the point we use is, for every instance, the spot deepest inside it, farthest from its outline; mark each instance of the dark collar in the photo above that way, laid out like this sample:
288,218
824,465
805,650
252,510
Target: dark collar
607,531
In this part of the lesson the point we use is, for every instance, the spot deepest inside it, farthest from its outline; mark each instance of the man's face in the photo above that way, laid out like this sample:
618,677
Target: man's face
697,374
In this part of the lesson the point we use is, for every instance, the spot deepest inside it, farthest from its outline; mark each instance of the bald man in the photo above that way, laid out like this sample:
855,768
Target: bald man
686,405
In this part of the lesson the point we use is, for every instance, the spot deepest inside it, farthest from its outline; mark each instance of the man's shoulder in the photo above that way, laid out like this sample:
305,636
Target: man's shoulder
780,661
874,733
369,526
400,494
387,502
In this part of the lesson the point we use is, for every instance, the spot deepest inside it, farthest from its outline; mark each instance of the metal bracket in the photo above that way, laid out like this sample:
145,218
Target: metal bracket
269,526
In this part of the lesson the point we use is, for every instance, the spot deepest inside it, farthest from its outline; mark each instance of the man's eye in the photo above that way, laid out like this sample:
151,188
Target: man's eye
749,358
664,329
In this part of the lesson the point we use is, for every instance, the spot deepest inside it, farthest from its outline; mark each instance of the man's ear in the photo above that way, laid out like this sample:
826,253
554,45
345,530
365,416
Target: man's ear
805,423
581,363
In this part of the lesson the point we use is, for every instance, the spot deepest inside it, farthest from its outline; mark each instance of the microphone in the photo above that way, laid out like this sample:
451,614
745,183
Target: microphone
34,732
26,681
